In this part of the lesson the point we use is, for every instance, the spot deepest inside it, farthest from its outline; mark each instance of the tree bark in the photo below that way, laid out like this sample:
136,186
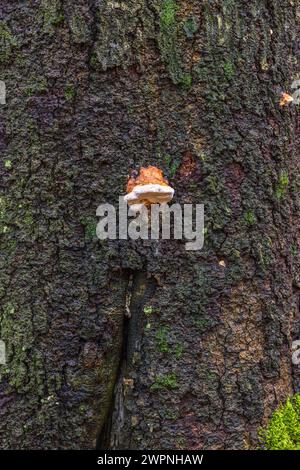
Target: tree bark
94,89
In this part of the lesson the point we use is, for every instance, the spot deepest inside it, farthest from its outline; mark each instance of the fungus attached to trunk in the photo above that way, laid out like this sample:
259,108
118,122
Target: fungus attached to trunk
148,187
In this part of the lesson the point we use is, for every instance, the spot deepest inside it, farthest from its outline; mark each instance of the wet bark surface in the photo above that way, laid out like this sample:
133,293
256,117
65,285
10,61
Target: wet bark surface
94,89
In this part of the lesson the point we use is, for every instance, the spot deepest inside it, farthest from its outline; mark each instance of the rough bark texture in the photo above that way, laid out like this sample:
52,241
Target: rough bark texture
95,88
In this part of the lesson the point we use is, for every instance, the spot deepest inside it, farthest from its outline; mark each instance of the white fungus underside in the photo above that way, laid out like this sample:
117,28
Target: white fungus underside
152,193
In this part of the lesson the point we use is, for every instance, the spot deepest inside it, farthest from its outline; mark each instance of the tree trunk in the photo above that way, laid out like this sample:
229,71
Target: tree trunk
94,89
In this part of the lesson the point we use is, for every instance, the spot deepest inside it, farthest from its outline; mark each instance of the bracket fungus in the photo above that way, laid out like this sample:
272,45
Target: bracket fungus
148,187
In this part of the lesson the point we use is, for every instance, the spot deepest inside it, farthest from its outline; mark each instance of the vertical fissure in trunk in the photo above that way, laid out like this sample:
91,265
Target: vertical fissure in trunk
115,432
